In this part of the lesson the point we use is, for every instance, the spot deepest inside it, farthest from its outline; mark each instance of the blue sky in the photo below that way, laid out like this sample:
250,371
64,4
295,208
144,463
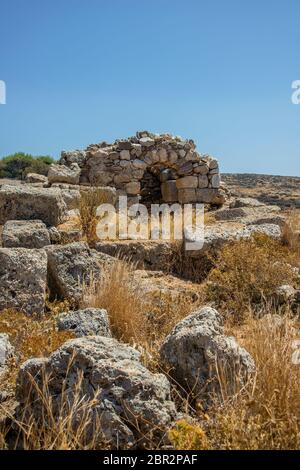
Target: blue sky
219,72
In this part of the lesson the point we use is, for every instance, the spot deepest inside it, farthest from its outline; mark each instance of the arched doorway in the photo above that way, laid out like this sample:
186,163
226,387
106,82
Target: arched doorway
154,176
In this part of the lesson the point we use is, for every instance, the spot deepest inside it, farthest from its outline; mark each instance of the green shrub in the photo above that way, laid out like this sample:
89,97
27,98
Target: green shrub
20,164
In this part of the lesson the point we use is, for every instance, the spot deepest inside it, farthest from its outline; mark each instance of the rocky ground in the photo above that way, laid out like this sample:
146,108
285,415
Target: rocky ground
283,191
142,343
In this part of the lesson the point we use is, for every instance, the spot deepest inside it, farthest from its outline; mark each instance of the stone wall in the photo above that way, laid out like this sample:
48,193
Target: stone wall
149,167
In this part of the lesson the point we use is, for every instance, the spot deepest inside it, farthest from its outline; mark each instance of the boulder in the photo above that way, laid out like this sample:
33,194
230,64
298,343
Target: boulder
69,266
25,202
287,295
23,277
36,178
132,404
197,351
6,352
25,234
245,202
230,214
217,235
87,322
64,174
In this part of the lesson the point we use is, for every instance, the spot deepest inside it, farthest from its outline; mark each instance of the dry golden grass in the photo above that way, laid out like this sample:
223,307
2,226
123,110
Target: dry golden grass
116,293
90,200
63,425
265,415
247,273
31,337
135,317
291,235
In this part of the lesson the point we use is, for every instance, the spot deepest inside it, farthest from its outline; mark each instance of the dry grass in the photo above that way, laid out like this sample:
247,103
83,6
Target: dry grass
90,200
291,236
63,424
117,293
247,273
31,337
265,415
135,317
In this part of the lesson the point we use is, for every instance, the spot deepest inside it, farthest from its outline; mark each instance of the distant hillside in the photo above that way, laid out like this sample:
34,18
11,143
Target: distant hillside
271,189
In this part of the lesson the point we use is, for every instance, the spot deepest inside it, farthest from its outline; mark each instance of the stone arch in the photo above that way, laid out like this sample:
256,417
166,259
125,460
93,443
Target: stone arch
184,174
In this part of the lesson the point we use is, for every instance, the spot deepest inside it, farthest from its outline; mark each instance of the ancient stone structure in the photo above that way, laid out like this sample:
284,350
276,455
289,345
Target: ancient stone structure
157,168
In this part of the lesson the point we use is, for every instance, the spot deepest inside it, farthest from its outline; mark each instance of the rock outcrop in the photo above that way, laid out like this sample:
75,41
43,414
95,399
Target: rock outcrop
64,174
197,352
132,404
87,322
25,202
69,266
25,234
217,235
23,277
36,178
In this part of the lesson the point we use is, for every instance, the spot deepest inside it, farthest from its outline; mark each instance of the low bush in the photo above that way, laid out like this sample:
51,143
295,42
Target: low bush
246,274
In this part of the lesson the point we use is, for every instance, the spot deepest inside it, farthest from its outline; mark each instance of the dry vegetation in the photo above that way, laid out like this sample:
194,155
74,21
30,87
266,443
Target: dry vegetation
264,414
90,200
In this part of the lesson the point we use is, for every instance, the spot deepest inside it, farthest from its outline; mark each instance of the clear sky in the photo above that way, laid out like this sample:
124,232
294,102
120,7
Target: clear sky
220,72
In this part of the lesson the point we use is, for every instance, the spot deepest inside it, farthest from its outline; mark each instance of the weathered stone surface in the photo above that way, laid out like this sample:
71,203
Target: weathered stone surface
216,235
169,191
35,178
211,196
201,169
124,145
133,188
125,155
202,181
245,202
187,182
75,156
187,195
69,266
87,322
131,403
71,198
65,235
23,276
64,174
25,234
154,255
286,294
197,351
54,234
230,214
215,181
6,352
27,203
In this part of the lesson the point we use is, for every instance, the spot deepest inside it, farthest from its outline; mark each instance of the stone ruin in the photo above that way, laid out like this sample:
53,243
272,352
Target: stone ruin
148,168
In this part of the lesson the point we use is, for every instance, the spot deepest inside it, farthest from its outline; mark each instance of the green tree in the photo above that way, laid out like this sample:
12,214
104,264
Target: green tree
20,164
